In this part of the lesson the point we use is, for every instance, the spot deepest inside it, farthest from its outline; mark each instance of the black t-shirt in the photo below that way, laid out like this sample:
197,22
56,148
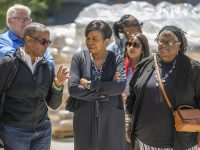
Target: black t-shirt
155,121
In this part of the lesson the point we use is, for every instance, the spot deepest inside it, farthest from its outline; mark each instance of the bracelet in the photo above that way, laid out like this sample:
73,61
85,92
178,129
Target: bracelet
127,125
56,88
127,120
88,85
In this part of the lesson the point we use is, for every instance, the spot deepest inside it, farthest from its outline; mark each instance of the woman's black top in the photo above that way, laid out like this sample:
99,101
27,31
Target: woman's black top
182,87
155,117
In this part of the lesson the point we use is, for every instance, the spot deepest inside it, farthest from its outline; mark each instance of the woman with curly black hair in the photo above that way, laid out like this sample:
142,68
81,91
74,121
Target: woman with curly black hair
152,120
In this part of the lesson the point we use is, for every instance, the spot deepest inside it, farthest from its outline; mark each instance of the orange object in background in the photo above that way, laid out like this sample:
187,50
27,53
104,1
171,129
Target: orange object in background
120,1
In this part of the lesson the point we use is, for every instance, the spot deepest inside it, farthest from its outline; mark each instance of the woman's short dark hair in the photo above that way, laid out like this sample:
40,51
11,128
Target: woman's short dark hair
100,26
145,44
179,33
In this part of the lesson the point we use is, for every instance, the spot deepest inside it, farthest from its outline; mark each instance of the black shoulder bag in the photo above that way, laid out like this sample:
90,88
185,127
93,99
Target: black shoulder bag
73,103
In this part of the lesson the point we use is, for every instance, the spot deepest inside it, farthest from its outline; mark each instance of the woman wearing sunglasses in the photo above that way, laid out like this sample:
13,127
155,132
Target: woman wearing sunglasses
136,49
152,120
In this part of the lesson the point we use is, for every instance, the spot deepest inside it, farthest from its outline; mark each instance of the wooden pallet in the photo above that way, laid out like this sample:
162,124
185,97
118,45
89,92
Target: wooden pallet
62,134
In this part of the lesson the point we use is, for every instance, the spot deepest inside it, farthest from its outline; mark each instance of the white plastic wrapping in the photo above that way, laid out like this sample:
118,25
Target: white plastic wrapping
154,18
71,37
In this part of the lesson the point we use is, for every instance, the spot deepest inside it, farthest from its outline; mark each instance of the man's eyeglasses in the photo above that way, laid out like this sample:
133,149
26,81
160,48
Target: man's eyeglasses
42,42
167,43
23,19
134,44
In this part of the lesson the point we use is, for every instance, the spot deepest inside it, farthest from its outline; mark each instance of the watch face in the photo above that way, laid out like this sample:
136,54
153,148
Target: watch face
88,85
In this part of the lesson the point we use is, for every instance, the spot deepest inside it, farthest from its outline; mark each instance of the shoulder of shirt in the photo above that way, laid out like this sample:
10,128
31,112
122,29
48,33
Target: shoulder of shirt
4,36
79,54
112,46
194,63
8,35
47,64
144,62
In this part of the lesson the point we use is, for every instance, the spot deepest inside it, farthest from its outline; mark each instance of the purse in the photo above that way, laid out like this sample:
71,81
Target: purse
72,104
186,118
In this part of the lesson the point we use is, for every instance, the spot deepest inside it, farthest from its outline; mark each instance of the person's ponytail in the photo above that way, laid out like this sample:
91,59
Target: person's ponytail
116,30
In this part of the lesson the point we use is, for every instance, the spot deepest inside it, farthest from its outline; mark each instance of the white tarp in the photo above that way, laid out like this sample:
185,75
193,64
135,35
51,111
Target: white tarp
154,18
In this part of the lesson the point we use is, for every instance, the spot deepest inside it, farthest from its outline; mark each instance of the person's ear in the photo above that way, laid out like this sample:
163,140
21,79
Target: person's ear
9,20
179,45
27,40
107,41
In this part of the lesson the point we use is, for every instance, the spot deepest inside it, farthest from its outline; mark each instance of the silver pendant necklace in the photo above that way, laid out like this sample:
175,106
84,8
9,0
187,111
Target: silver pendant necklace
164,79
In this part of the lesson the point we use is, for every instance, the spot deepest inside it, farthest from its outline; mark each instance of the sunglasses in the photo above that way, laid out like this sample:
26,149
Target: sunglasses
43,41
134,44
167,43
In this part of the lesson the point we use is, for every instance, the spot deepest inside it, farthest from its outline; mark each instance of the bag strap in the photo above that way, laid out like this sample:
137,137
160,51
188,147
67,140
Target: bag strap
161,85
13,71
177,139
10,76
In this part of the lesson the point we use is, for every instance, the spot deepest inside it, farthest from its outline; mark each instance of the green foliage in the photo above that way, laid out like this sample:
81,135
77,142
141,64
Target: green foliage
38,7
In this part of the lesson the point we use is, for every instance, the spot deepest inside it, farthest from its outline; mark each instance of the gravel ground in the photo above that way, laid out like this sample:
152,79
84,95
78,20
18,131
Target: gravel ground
62,144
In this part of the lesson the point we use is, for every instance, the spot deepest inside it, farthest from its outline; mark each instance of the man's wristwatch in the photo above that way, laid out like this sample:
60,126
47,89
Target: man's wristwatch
88,85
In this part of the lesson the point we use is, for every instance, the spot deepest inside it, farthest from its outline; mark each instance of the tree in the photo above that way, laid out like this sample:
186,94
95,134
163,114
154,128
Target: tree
39,9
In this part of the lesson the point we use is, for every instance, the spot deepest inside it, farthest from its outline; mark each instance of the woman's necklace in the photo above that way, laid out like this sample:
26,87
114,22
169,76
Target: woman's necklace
163,79
98,66
97,73
99,61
